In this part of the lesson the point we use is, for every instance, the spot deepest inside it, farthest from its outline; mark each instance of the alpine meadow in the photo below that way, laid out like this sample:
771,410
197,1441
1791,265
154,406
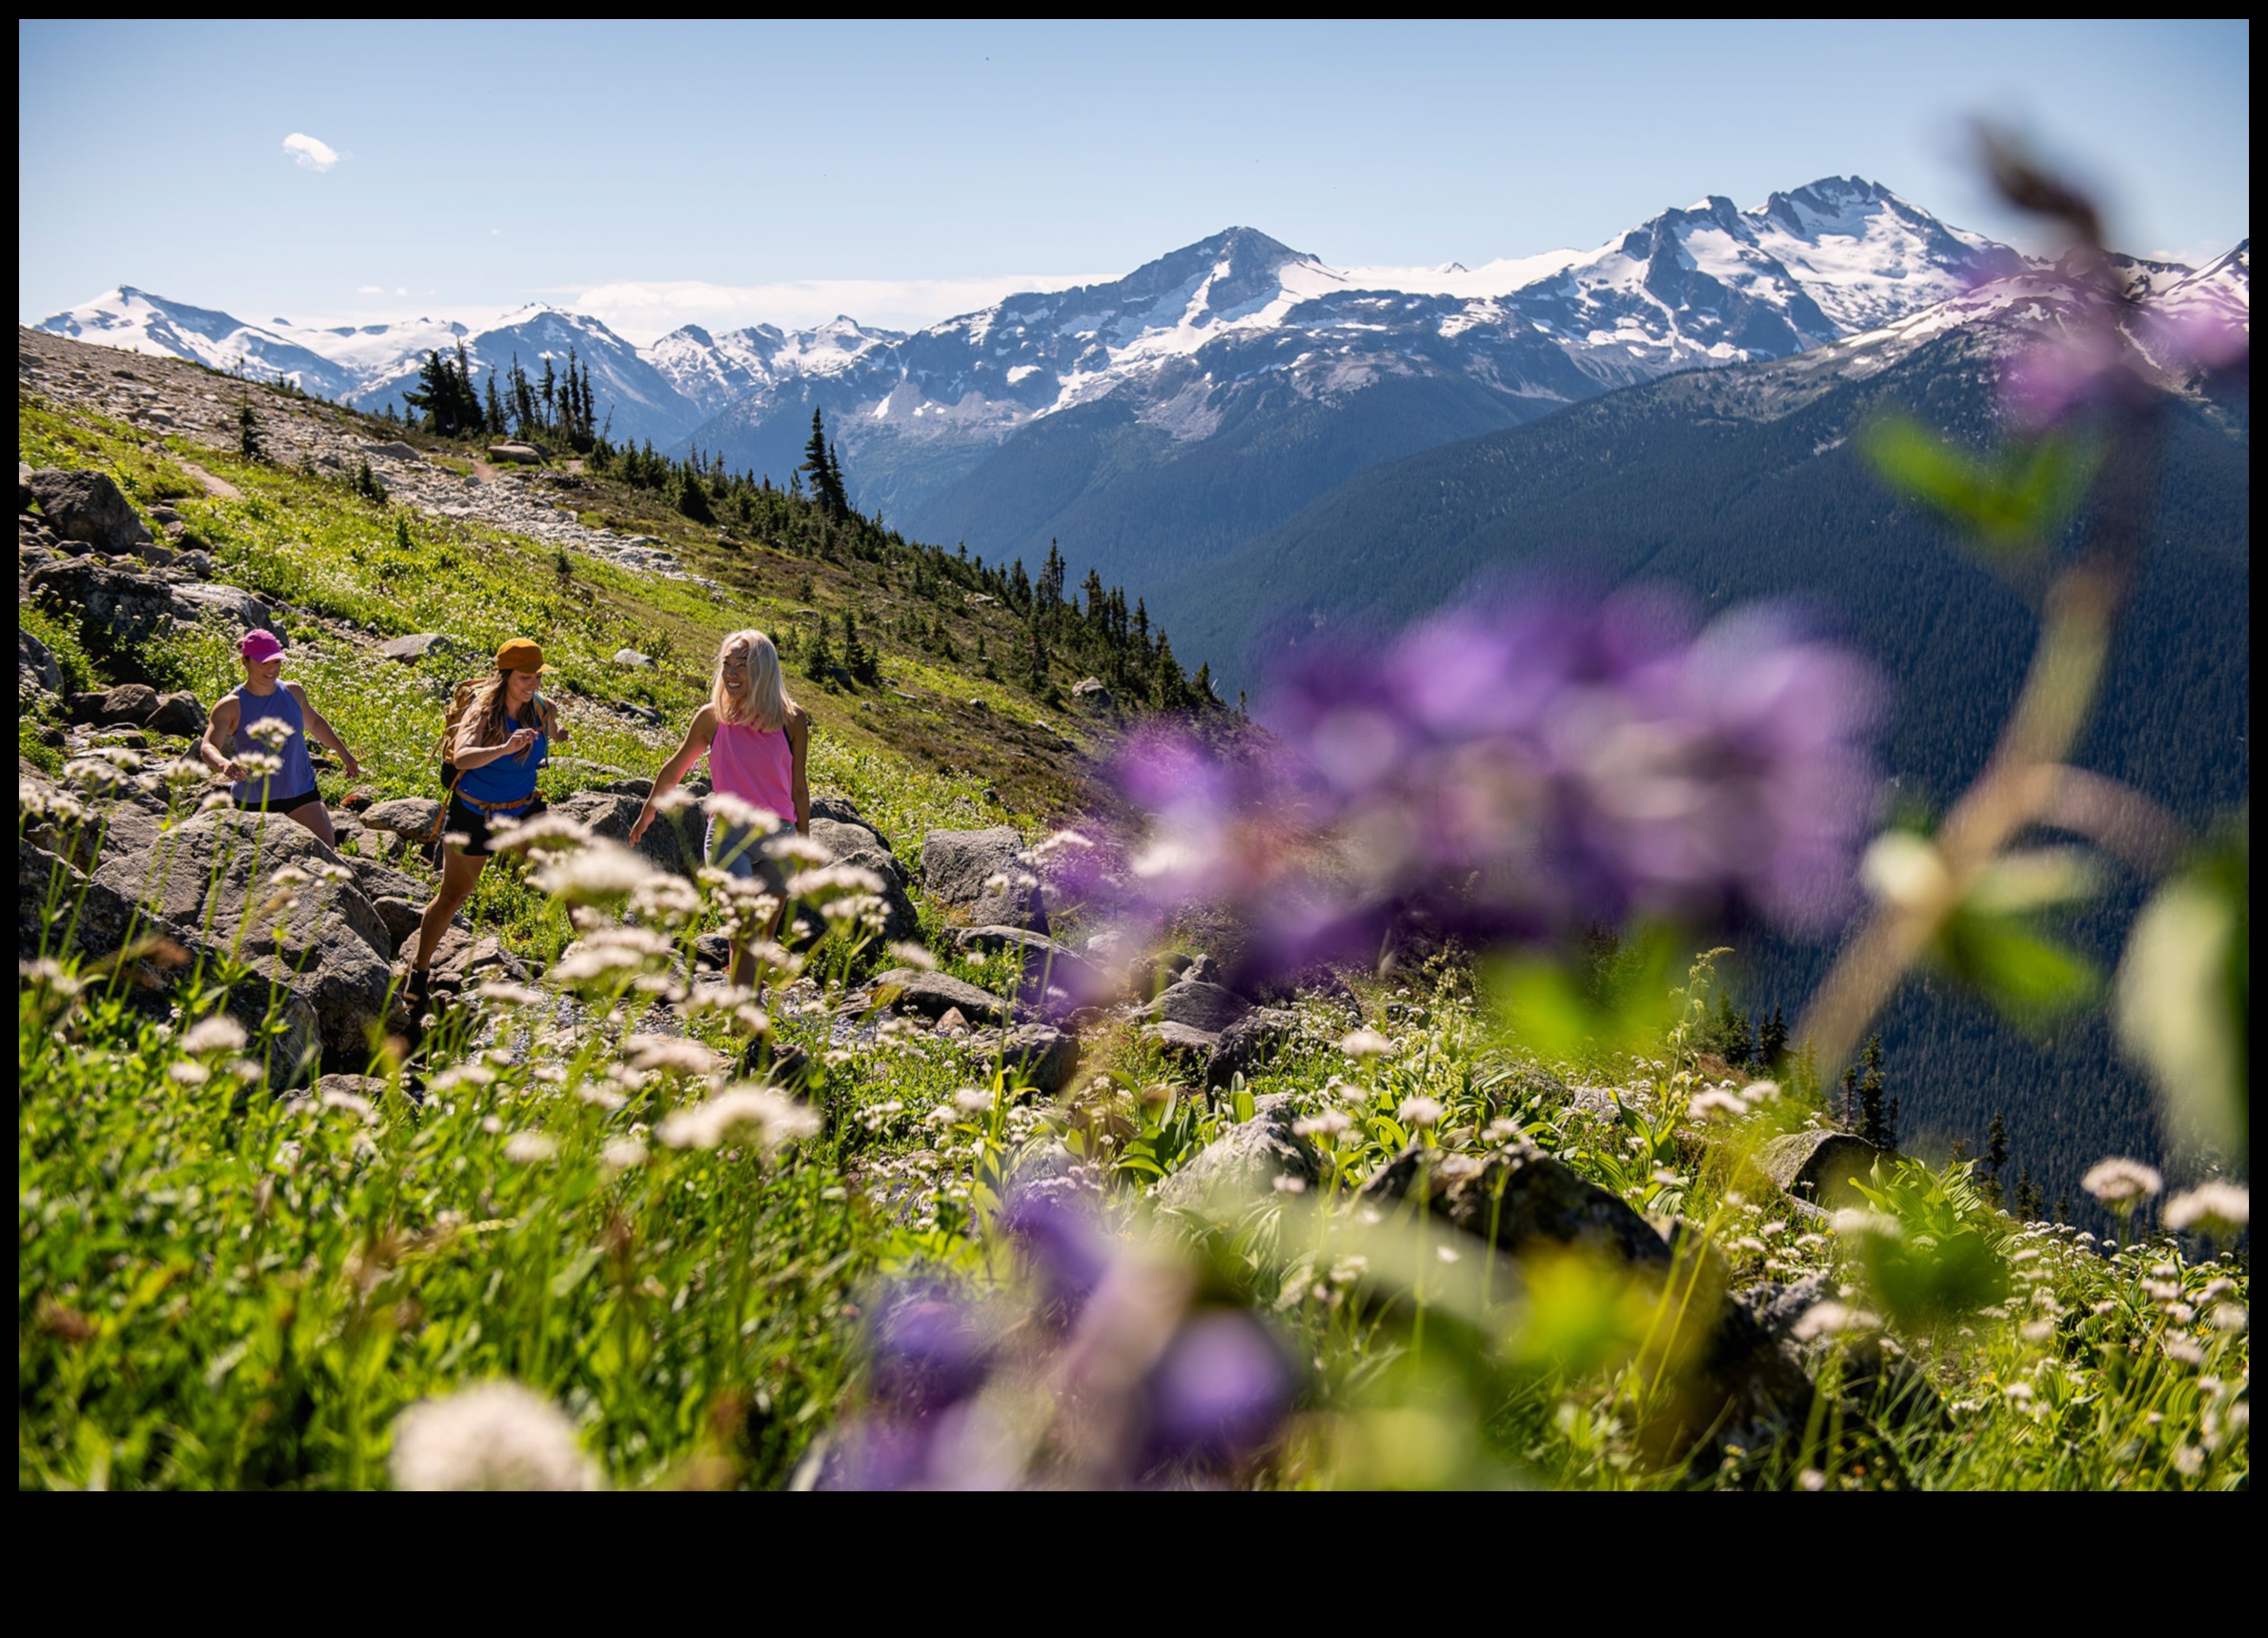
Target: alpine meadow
1620,869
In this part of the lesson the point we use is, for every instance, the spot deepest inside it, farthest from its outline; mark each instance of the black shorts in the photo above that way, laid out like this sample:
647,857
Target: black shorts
472,823
277,804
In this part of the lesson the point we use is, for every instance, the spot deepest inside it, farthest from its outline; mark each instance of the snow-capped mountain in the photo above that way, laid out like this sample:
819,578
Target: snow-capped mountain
137,321
712,371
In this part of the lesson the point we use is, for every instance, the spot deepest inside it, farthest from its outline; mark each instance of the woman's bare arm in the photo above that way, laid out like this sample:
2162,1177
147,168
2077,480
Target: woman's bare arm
213,750
799,742
697,739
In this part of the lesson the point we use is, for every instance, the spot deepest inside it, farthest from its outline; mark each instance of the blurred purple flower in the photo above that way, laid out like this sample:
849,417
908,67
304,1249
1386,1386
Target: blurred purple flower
928,1350
2112,351
1218,1393
1065,1245
1560,762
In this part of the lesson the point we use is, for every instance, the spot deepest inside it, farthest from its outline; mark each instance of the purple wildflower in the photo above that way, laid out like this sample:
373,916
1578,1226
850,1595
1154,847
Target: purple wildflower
1068,1253
928,1351
1511,775
1218,1393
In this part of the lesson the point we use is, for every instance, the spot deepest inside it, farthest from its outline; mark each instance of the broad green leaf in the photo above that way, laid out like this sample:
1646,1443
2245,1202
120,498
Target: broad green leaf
2032,979
2012,506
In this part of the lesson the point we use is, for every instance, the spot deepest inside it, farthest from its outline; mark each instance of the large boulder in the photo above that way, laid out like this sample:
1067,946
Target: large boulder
1531,1201
118,610
931,993
983,877
1247,1044
1877,1382
179,713
211,878
672,842
837,826
233,604
1819,1166
1242,1161
1199,1004
129,705
88,506
409,816
418,645
1057,979
36,670
1043,1057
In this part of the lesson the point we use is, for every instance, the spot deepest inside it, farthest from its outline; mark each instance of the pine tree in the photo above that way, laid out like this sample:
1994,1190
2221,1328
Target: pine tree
1876,1123
826,476
693,496
1772,1042
493,412
818,659
1996,1156
250,445
2028,1198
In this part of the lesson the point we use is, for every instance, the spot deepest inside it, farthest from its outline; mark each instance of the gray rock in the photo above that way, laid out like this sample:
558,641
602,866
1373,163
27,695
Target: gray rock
524,455
630,660
182,713
130,704
118,610
411,817
1247,1044
672,842
1089,692
86,506
328,946
368,1086
1182,1039
1543,1203
1242,1161
1819,1166
395,451
1044,1058
36,670
231,603
384,882
1199,1005
958,870
1876,1381
930,994
402,917
417,645
195,563
1057,979
852,841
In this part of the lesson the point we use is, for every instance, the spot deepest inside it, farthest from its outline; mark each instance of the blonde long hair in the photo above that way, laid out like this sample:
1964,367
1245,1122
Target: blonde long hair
766,704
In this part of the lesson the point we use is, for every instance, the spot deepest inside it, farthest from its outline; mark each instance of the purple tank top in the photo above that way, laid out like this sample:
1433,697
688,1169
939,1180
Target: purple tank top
298,775
756,765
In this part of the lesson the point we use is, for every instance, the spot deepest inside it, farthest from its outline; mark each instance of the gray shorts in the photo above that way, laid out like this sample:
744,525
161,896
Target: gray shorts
738,850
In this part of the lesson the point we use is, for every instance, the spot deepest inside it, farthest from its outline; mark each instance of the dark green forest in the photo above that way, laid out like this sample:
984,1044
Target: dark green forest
1746,483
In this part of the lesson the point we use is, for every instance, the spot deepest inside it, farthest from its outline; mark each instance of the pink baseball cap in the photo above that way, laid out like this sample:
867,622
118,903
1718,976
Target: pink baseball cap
260,645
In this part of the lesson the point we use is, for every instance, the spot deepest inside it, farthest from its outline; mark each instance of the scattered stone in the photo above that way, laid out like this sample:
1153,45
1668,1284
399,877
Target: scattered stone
950,1023
1088,691
1199,1004
180,714
1044,1057
413,818
395,451
1181,1040
1247,1044
980,873
1242,1161
86,506
130,704
713,951
417,645
402,918
630,660
931,993
1819,1166
36,670
525,455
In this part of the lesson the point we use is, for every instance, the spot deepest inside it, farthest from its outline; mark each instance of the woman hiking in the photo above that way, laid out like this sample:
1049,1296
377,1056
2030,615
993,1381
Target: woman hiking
757,741
492,753
270,720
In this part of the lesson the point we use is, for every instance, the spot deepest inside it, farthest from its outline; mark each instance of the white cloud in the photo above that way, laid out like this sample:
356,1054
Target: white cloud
370,290
643,310
311,152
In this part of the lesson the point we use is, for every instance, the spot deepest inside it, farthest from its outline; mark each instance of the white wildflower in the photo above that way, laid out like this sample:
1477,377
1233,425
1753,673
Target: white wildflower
674,801
353,1104
530,1148
272,732
911,955
775,1119
1421,1112
188,1072
1712,1104
2215,1205
1759,1092
727,809
802,849
2119,1182
972,1101
620,1154
496,1436
218,1033
503,992
1365,1043
595,874
671,1055
1331,1124
2229,1317
587,962
1857,1223
545,833
836,880
1811,1479
2184,1352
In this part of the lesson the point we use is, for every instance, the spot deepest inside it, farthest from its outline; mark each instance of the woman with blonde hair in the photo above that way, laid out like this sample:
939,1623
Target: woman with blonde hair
757,741
494,742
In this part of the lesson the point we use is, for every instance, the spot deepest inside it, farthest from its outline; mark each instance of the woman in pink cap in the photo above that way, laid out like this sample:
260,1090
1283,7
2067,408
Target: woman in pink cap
757,741
257,740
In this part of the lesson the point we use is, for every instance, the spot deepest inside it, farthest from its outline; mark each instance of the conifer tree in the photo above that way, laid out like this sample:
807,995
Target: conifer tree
2028,1198
250,445
493,410
1996,1156
1772,1042
693,496
825,474
1877,1125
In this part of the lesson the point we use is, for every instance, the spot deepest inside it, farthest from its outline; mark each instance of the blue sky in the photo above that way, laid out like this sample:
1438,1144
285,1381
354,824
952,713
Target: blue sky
727,173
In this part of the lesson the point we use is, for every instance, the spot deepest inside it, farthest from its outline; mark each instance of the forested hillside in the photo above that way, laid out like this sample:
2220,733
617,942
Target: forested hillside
1747,483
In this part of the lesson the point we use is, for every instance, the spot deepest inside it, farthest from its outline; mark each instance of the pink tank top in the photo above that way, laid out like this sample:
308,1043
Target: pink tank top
755,765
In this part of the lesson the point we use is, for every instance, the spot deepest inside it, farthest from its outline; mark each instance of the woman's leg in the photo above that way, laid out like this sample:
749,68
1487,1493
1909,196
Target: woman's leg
316,817
458,875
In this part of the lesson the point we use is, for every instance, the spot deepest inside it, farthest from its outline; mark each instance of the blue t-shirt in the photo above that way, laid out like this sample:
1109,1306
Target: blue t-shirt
509,779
